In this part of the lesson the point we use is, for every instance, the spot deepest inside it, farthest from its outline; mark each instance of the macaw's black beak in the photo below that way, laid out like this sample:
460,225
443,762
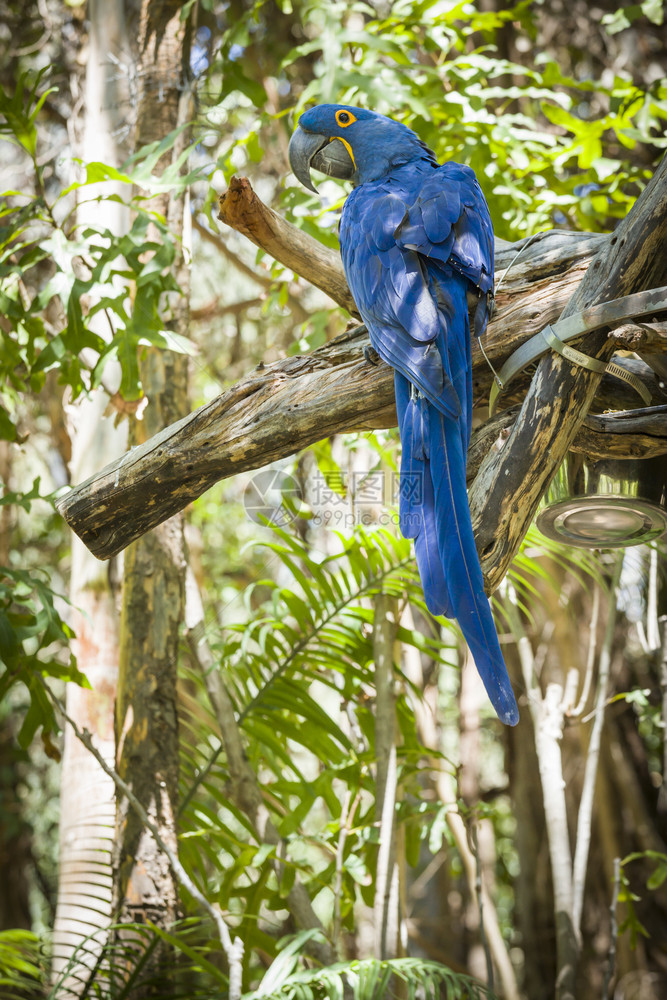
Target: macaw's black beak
311,151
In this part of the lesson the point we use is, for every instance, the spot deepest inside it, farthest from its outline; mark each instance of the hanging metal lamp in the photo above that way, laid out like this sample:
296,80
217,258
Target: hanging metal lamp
611,503
593,503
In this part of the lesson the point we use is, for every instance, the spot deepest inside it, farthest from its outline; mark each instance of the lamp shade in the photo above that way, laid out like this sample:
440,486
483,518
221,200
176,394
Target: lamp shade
610,503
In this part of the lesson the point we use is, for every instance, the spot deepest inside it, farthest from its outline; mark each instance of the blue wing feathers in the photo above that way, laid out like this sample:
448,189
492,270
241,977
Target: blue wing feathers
413,242
390,212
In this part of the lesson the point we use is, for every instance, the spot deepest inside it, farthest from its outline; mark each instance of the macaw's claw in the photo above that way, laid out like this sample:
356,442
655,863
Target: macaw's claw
372,356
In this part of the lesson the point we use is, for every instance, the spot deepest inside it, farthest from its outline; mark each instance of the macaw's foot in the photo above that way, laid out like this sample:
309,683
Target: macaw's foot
372,356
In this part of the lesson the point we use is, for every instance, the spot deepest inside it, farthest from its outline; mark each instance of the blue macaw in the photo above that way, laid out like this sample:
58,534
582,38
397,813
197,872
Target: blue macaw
416,239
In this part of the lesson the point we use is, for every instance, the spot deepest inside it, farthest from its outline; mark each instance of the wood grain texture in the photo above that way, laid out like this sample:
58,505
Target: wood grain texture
513,480
241,209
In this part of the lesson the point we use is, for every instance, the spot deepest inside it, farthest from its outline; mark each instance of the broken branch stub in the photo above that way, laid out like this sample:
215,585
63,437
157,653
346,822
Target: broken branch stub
242,210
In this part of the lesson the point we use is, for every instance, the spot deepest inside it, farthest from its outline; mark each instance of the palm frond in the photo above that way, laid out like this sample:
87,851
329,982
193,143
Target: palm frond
126,965
368,979
22,965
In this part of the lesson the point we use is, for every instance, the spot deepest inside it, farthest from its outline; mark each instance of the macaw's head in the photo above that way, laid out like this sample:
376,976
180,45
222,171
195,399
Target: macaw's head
352,144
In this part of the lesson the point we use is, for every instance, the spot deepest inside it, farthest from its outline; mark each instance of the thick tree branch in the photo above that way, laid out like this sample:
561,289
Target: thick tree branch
514,479
280,408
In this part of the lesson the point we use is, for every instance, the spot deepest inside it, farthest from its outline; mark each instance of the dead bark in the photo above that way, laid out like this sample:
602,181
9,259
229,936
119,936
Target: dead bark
513,482
273,412
241,209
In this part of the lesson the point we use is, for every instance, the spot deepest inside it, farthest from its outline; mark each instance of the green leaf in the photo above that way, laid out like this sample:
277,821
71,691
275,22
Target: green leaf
658,877
39,714
7,427
9,644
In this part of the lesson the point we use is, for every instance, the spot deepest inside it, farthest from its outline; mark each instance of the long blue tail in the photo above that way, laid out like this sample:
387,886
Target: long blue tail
434,511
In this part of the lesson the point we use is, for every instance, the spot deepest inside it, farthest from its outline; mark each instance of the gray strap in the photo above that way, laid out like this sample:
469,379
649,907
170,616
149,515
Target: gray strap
604,314
576,357
584,361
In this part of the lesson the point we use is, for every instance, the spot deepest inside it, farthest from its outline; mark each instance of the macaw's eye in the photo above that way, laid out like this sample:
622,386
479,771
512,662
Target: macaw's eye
345,118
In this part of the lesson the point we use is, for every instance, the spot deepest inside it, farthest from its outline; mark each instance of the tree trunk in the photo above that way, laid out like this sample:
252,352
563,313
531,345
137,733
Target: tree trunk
387,905
153,594
570,638
87,793
15,835
15,831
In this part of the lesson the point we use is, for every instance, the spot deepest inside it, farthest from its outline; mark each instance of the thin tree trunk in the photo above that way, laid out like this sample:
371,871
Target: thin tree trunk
547,712
532,886
387,908
445,788
15,830
15,835
154,582
87,793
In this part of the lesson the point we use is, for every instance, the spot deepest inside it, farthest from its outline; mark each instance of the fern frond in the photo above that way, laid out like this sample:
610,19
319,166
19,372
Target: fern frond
369,980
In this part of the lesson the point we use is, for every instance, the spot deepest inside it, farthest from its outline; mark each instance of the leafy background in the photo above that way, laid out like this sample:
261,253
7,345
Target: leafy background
561,112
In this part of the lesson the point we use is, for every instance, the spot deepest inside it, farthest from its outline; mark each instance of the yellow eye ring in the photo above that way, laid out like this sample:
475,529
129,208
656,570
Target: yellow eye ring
344,118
